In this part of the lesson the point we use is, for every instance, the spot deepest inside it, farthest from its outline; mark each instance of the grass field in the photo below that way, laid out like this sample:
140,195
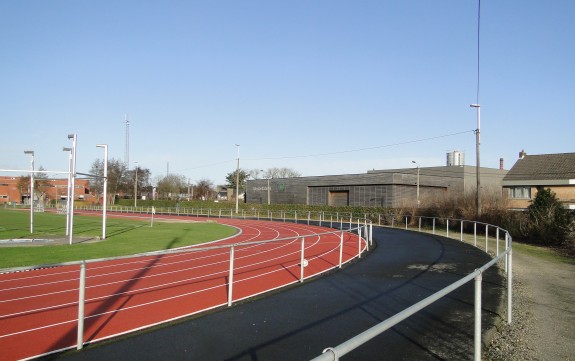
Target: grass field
123,237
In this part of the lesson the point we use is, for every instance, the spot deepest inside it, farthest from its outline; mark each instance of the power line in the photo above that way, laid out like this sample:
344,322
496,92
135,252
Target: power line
364,149
330,153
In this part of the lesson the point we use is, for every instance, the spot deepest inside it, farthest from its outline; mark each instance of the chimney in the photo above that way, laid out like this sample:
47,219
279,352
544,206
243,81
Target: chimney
522,154
501,164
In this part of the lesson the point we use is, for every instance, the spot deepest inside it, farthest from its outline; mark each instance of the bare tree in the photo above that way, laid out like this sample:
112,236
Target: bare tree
204,189
172,186
281,173
40,183
143,177
117,177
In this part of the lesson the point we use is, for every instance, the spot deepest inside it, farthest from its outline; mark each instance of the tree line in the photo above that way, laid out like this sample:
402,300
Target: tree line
123,182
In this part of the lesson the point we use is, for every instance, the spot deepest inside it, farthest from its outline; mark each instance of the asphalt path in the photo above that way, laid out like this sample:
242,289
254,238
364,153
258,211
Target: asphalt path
298,323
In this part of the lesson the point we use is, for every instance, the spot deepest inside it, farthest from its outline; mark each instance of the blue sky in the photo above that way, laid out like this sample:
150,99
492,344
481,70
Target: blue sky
323,87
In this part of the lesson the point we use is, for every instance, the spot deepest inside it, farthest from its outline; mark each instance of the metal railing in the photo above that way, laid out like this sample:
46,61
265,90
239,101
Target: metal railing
301,253
468,231
335,353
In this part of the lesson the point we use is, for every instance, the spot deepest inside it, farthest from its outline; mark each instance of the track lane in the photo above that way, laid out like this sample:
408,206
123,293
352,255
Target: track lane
134,293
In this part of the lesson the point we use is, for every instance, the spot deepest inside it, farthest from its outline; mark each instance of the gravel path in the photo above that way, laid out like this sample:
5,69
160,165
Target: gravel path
543,326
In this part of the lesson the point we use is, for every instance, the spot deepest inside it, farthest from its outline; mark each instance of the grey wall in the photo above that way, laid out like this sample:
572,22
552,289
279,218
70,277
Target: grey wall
385,188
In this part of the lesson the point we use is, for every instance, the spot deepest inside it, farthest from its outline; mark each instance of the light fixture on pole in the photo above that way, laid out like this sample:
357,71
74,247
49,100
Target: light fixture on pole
478,162
74,138
105,202
268,189
68,189
31,153
417,181
238,179
269,199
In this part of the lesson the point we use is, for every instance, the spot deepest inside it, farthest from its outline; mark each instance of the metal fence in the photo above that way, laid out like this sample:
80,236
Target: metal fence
99,291
428,224
497,242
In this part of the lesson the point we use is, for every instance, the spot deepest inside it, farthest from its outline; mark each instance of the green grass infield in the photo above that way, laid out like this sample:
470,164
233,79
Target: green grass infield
123,237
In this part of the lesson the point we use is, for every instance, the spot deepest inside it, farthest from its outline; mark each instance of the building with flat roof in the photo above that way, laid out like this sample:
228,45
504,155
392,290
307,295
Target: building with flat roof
375,188
16,190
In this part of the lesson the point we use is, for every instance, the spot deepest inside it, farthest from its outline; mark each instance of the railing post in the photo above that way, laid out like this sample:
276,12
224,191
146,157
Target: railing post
366,234
81,300
497,242
461,234
486,238
231,277
447,228
370,233
506,248
477,332
302,260
340,248
510,283
475,234
358,242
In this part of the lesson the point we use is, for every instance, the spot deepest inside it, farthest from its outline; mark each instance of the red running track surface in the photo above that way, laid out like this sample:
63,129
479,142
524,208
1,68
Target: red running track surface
39,308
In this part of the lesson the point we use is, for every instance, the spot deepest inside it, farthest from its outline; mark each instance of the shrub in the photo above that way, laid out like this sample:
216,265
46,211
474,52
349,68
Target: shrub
549,222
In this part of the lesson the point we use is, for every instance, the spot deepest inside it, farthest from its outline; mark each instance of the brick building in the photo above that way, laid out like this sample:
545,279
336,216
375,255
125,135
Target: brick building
16,190
533,172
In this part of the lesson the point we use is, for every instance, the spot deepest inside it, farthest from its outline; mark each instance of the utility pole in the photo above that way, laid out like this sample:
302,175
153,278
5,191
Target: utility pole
478,162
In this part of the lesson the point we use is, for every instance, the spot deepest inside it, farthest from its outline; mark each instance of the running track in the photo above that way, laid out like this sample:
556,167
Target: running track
39,308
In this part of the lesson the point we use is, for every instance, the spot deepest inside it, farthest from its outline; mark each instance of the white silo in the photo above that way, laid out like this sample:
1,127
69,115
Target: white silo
455,158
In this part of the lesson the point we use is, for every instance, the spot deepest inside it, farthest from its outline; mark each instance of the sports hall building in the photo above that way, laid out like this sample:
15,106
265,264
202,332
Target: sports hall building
375,188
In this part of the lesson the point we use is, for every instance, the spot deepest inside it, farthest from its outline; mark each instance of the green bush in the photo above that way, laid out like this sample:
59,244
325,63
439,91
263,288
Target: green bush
549,222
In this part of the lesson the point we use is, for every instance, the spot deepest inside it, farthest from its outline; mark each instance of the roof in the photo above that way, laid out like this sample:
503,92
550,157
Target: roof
542,169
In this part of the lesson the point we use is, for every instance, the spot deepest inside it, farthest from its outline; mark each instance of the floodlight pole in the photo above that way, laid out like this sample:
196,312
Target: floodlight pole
72,185
417,181
269,201
478,164
105,203
31,153
69,150
238,179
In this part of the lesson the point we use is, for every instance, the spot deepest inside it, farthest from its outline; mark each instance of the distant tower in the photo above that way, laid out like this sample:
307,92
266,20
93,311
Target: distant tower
455,158
127,151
